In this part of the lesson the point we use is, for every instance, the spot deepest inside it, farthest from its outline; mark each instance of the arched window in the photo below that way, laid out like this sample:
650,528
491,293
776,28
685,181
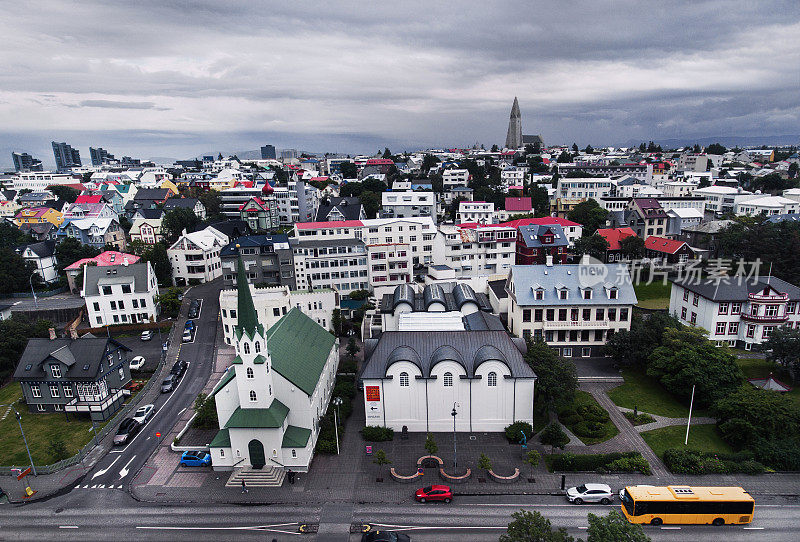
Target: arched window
250,373
252,395
491,379
258,347
246,348
404,380
448,380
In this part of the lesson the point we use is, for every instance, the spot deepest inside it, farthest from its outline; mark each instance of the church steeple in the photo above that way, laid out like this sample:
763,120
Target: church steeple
514,136
247,322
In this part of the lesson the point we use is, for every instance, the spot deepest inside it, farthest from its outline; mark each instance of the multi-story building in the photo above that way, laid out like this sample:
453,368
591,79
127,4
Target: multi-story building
100,156
572,310
692,162
646,217
677,189
195,257
760,204
452,178
297,203
737,312
25,162
39,215
66,157
584,188
475,250
513,176
193,204
389,265
43,256
260,214
572,230
40,180
97,232
478,212
408,204
267,260
146,226
120,294
538,244
338,264
104,259
719,199
643,172
268,152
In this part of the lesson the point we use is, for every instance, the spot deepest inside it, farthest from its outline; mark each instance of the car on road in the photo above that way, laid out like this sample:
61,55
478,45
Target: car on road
194,308
434,493
195,459
147,335
189,325
127,429
590,493
169,383
137,363
178,368
385,536
144,413
187,335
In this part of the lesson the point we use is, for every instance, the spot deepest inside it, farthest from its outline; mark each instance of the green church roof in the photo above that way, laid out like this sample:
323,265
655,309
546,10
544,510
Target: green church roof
221,440
247,322
229,375
299,348
258,418
295,437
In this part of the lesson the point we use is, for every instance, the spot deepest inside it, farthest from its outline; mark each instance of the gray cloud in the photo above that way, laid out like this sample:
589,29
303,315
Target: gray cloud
113,104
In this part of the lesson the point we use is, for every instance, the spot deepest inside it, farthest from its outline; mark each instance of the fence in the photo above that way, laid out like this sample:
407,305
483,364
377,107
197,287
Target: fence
46,293
110,426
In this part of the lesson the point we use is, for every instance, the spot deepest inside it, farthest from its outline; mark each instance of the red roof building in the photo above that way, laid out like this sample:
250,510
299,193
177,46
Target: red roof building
668,250
519,205
613,236
89,198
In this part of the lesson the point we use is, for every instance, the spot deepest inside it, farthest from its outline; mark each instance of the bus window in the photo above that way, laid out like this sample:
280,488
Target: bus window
627,502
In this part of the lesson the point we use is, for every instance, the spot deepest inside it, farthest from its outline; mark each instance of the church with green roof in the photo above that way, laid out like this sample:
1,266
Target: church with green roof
270,400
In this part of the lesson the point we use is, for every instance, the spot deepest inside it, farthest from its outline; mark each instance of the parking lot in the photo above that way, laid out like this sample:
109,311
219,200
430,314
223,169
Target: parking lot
151,350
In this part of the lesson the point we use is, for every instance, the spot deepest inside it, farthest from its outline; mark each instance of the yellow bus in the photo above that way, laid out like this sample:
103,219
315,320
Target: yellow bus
685,504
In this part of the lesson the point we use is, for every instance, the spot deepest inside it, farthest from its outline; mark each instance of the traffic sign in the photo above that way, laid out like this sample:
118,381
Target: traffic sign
24,473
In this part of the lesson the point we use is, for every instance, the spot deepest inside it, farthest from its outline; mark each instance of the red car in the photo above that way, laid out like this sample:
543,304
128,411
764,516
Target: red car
434,493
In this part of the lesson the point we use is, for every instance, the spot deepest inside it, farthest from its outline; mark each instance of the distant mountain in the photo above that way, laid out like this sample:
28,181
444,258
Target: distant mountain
727,141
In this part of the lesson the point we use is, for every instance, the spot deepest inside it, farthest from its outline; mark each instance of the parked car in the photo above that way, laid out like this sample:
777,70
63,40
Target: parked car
169,383
137,363
179,368
187,335
194,308
144,413
434,493
385,536
127,429
195,459
590,493
189,325
147,335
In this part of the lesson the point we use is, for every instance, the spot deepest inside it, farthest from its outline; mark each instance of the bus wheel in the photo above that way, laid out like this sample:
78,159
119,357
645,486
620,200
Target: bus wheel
656,521
718,522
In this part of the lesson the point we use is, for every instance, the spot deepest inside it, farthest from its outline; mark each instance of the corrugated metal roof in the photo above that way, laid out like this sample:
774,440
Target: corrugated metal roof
257,418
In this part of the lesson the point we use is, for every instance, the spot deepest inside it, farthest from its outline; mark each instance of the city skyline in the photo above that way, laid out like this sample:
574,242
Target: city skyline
352,80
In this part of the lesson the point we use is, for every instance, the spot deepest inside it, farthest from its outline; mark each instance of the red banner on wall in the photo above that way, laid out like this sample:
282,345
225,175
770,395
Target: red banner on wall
373,393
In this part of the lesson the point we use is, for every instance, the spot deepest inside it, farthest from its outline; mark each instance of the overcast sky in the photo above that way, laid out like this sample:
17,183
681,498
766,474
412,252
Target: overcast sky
171,78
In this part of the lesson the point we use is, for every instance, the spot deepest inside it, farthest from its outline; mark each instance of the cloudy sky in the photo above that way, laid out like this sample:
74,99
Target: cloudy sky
181,78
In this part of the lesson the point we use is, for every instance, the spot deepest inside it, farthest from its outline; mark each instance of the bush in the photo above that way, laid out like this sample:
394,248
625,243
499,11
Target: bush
554,436
345,390
681,461
377,433
326,446
612,462
591,429
593,413
348,367
639,419
629,464
513,431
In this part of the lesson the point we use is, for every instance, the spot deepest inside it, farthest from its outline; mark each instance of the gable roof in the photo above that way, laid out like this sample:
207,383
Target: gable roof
247,322
95,275
299,348
614,235
154,194
518,204
180,203
738,290
349,207
75,354
149,214
257,418
662,244
109,257
545,220
532,235
43,249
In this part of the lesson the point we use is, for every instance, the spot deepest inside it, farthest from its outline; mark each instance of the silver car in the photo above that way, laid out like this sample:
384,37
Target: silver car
143,413
590,493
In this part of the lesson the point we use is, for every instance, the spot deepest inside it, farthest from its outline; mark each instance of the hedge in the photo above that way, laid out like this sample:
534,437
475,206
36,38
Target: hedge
601,463
513,432
377,433
680,461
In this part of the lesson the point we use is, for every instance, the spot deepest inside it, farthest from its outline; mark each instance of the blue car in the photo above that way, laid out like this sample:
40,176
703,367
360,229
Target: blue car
195,459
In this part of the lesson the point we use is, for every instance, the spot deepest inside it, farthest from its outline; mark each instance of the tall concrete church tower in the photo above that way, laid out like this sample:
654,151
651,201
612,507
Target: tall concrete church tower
514,136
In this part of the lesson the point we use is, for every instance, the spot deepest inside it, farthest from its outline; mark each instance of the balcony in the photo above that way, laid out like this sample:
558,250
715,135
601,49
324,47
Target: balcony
765,319
77,405
578,324
768,298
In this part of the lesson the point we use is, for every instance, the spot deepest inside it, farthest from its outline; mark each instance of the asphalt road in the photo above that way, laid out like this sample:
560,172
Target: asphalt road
113,515
121,464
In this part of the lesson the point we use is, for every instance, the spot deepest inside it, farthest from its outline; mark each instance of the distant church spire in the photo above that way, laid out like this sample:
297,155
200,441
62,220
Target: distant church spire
514,136
247,322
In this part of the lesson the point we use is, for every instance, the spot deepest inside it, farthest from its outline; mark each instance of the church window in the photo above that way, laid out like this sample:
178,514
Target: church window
246,348
448,380
404,380
491,379
294,452
253,395
250,373
258,347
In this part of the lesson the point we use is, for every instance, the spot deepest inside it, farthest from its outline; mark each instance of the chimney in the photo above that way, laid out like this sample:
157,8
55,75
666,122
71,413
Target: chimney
125,261
549,260
52,331
585,259
73,333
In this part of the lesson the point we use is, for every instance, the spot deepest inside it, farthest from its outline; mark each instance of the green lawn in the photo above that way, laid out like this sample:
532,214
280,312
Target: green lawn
704,438
647,395
584,398
39,429
654,295
760,368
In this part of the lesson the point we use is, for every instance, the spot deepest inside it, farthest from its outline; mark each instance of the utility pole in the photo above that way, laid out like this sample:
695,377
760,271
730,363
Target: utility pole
455,456
19,421
336,402
689,421
35,301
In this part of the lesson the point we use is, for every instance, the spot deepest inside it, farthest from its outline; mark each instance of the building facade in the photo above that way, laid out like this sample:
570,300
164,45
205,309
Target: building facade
120,294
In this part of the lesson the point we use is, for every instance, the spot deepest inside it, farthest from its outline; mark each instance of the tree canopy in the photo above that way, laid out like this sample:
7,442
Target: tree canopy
558,377
614,528
533,527
14,335
589,214
632,247
594,245
177,220
783,347
633,348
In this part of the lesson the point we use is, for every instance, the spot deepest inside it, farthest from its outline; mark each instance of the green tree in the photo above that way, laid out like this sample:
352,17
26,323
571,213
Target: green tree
495,148
484,463
632,247
589,214
64,193
205,410
793,168
170,304
716,148
336,322
177,220
14,335
387,153
633,348
540,200
11,237
371,202
380,459
212,202
430,444
564,158
70,250
429,161
352,348
748,414
157,256
575,148
588,149
558,377
687,358
57,449
554,435
614,528
16,274
348,170
594,245
533,527
783,347
532,458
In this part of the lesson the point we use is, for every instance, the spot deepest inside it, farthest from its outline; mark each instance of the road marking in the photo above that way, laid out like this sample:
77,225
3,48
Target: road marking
105,470
86,486
94,486
418,527
271,528
101,486
78,486
124,472
670,528
67,526
583,528
754,528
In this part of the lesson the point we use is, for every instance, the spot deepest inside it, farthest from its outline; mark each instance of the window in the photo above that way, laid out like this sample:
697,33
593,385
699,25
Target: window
623,315
695,299
246,348
562,315
562,294
539,294
601,314
122,305
771,310
612,314
751,330
491,379
35,391
551,314
54,391
721,328
447,381
586,352
96,306
276,311
723,308
693,319
683,313
253,397
404,380
686,295
767,331
106,290
612,293
221,452
791,307
68,391
526,315
537,315
113,305
55,370
587,294
733,328
40,408
250,373
587,314
294,452
567,352
126,288
573,315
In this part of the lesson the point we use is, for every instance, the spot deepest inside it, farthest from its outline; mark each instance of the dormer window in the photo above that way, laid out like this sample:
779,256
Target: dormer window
563,293
246,348
612,293
539,294
587,294
55,370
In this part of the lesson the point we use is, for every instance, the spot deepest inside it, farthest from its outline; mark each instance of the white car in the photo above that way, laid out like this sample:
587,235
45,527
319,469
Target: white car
137,363
143,413
147,335
590,493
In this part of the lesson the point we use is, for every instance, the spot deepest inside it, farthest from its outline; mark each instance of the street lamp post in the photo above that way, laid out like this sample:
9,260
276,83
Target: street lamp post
35,301
19,421
455,456
336,402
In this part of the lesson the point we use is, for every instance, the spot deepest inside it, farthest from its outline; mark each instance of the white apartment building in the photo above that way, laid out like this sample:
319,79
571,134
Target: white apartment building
120,294
574,312
737,313
513,176
452,178
483,250
36,181
194,257
481,212
390,265
585,188
719,199
760,204
337,264
677,189
273,302
297,203
408,204
692,162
